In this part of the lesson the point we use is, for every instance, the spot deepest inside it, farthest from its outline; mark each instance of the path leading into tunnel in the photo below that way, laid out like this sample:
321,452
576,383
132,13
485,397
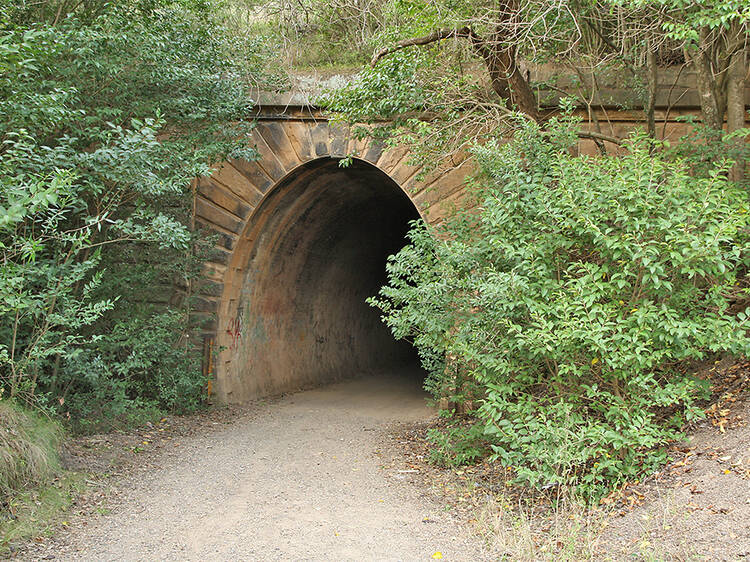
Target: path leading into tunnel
298,480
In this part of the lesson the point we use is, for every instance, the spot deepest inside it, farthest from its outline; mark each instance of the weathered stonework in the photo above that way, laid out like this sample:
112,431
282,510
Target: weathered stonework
302,242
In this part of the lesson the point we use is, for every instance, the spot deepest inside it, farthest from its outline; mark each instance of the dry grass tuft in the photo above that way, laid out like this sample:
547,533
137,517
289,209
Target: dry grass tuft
28,450
566,531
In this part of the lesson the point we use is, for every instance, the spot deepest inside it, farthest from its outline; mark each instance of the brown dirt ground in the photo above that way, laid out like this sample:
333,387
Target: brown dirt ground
696,508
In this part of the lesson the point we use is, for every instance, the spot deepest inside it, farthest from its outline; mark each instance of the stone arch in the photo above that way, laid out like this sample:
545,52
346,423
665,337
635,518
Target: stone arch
274,217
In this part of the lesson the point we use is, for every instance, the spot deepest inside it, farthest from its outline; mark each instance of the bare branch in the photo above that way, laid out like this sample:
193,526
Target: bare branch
500,60
599,136
433,37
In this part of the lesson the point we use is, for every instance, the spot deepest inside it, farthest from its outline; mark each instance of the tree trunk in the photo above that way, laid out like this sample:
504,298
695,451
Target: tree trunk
713,114
509,82
653,84
736,105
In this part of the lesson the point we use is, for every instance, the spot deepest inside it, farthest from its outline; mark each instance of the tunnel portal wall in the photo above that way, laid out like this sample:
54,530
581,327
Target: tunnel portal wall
301,242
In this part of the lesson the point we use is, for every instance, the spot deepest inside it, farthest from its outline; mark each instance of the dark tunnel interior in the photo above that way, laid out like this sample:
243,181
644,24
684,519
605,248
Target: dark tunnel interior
319,249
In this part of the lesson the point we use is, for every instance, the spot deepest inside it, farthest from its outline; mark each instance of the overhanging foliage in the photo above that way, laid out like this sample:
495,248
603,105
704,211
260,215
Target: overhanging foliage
567,300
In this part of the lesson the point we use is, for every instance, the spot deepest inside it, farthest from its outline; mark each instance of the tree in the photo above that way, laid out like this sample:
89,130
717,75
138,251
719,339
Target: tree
638,41
107,111
715,36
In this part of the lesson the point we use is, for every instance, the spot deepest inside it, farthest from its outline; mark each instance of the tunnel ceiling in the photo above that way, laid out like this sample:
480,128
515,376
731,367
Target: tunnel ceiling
315,249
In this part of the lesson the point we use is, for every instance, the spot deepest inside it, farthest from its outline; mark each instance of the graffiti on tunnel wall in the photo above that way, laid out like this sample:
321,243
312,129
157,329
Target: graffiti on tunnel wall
234,330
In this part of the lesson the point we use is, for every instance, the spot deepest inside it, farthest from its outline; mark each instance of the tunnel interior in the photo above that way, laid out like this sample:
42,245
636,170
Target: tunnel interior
319,247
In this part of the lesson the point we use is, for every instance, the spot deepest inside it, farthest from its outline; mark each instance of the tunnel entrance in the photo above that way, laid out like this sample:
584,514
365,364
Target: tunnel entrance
316,249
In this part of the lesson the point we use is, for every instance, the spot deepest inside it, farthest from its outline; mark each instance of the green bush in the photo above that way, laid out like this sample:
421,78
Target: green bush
572,294
108,111
459,443
143,367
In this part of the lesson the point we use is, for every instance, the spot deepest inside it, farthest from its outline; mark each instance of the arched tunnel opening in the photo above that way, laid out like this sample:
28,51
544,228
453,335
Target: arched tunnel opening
318,249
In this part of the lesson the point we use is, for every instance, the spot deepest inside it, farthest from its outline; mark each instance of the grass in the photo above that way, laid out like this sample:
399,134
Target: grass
29,447
565,532
38,512
34,490
569,531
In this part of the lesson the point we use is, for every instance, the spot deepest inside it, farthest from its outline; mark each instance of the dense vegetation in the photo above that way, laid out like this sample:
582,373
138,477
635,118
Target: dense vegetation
107,112
565,306
567,301
560,309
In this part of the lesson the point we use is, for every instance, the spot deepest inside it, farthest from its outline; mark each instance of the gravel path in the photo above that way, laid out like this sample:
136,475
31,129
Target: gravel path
299,480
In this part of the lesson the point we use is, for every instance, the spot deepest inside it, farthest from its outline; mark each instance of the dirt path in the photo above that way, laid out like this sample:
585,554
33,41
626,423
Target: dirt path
299,480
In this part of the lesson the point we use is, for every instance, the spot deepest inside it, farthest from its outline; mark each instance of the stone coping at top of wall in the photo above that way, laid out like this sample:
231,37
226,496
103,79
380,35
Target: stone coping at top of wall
675,91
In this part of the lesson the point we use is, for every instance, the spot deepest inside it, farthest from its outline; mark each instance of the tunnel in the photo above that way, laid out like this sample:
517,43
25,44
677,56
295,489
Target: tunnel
315,250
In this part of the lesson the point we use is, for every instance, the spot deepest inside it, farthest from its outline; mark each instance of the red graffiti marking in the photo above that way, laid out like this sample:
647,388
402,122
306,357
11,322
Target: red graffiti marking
235,331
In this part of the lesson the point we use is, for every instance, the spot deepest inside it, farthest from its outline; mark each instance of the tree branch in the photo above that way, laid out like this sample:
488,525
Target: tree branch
599,136
433,37
506,78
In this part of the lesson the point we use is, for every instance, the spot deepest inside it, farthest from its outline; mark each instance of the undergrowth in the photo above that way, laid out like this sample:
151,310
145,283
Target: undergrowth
38,511
28,450
35,491
458,442
569,300
520,533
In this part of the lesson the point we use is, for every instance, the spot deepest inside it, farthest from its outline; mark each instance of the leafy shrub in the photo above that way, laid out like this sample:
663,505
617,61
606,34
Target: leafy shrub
702,147
142,367
572,293
106,115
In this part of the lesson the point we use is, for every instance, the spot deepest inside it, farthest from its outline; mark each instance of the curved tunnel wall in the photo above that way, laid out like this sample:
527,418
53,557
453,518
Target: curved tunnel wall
317,255
301,242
